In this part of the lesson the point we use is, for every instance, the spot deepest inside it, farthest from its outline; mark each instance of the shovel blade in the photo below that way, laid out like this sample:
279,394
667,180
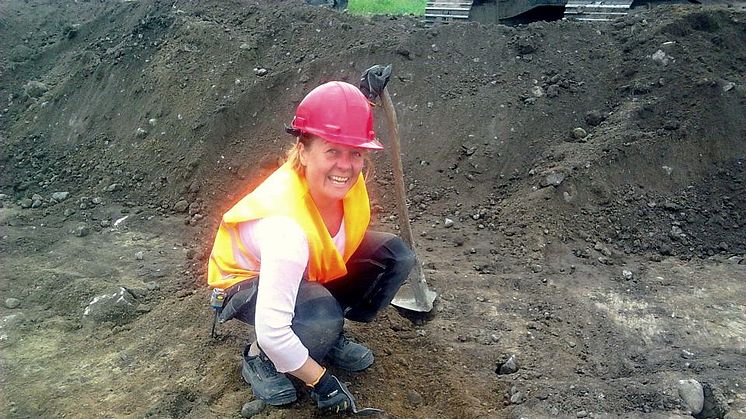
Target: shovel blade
415,296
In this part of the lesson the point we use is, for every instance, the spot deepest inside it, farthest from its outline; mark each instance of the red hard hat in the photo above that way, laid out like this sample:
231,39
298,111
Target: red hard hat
339,113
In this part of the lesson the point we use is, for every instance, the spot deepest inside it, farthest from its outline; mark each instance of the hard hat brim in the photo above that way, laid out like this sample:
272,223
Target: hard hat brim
371,145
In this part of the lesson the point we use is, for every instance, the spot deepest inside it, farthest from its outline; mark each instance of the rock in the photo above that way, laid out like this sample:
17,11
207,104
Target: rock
660,58
82,230
141,133
508,367
579,133
628,275
581,414
736,260
152,122
728,86
152,286
139,255
261,71
671,125
12,303
594,118
36,203
60,196
414,398
194,208
448,222
602,248
118,307
692,394
181,206
252,408
553,179
35,88
517,398
553,90
113,187
3,197
537,91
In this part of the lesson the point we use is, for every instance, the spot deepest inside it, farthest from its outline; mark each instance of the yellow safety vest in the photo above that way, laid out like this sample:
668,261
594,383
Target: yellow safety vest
286,193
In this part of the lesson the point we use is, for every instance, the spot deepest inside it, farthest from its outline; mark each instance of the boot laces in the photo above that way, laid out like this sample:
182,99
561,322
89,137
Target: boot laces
267,366
343,341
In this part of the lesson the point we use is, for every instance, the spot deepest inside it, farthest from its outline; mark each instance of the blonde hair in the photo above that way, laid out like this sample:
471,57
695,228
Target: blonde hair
293,156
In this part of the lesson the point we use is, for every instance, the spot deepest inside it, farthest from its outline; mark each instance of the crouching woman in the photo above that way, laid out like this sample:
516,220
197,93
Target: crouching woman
295,256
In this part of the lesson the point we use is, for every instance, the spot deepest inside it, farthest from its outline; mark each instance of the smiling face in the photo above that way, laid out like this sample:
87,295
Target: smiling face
330,169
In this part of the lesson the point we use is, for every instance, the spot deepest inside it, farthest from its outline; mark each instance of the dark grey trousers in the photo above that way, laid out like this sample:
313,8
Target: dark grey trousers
374,274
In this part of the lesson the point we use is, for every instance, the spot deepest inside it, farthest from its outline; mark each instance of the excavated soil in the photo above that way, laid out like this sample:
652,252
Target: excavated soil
593,175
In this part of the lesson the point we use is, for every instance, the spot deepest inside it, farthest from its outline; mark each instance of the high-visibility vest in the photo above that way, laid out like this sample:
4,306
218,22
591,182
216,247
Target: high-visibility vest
286,193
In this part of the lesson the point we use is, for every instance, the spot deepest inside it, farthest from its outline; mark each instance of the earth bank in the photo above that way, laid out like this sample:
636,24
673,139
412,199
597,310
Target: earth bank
577,192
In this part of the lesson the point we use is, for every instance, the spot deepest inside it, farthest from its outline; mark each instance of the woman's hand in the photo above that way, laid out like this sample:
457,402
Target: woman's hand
331,395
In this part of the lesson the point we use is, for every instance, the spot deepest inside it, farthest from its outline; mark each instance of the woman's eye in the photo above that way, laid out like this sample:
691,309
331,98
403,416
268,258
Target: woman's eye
357,154
331,151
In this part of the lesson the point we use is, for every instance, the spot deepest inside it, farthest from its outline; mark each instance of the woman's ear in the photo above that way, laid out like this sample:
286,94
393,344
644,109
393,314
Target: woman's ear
302,154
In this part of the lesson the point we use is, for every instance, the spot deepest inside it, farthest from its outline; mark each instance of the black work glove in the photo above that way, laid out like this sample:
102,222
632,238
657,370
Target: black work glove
374,80
331,395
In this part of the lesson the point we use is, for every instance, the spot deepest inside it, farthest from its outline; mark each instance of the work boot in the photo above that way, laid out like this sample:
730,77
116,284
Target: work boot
349,356
266,383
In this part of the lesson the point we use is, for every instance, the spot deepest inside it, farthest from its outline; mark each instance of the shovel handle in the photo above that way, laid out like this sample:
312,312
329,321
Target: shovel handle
395,152
417,278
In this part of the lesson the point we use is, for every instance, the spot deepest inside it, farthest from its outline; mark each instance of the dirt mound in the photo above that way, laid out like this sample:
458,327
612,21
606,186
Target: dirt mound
594,174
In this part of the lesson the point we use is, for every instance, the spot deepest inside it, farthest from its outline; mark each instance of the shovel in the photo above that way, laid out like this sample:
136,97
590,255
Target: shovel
416,297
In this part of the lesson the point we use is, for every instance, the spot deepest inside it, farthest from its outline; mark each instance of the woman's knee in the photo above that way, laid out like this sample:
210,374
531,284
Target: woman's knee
402,256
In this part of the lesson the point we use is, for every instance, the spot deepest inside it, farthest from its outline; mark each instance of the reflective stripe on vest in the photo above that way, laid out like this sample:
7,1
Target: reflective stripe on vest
285,193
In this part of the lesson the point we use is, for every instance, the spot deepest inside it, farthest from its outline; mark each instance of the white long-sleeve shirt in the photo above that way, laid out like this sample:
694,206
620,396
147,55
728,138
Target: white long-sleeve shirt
281,247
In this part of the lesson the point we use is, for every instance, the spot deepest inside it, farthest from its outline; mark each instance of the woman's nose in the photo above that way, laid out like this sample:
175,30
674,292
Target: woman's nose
345,161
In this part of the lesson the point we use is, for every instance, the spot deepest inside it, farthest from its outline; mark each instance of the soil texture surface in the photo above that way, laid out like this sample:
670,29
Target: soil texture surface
577,193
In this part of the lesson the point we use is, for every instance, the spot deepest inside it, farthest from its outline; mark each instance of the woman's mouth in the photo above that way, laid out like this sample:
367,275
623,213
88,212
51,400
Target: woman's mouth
338,180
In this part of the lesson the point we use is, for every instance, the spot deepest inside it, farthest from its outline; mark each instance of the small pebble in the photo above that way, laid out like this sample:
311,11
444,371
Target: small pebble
252,408
12,302
414,398
581,414
517,398
508,367
82,230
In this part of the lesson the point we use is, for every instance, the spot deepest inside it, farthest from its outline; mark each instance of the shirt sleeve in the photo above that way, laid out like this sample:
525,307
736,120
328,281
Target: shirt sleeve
283,249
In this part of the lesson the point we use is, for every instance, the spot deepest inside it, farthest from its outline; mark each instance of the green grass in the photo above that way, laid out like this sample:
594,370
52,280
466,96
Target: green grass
389,7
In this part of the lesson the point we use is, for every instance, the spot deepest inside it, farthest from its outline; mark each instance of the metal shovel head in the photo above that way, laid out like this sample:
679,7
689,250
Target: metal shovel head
415,295
405,299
